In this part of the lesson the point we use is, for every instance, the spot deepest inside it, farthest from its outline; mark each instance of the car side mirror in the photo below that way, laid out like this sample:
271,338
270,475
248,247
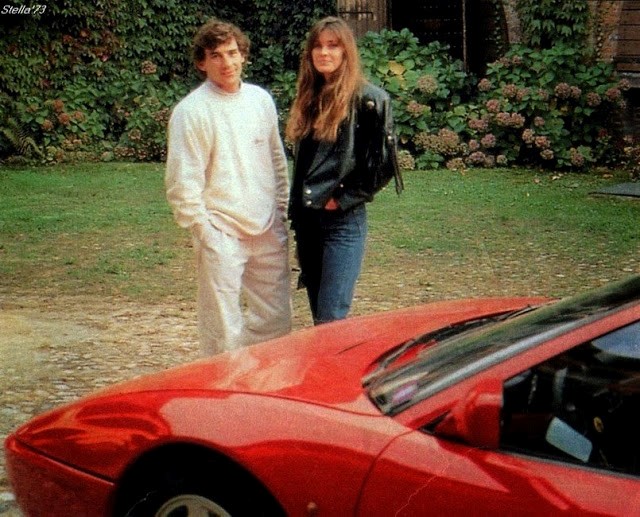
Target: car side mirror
475,419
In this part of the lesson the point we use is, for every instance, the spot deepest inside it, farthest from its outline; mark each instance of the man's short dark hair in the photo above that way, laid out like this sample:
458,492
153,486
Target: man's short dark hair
213,34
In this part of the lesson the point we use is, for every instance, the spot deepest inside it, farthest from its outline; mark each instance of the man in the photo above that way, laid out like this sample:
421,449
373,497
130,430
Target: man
227,181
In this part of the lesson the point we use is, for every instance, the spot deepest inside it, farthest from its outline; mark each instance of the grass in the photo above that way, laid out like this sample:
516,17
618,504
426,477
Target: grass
106,229
446,211
513,226
94,228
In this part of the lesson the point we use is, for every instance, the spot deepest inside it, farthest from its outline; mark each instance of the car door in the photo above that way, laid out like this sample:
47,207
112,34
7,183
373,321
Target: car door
568,445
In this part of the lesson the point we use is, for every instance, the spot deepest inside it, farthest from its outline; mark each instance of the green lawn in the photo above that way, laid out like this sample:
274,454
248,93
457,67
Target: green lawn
106,229
91,228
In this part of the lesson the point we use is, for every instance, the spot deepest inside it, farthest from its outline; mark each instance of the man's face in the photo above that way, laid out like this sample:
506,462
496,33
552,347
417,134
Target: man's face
223,65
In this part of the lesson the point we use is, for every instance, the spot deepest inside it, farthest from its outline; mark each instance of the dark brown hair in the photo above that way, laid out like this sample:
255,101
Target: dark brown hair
320,105
213,34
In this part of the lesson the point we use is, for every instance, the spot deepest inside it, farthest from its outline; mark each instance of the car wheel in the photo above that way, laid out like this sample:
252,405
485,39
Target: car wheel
190,502
189,505
161,504
191,488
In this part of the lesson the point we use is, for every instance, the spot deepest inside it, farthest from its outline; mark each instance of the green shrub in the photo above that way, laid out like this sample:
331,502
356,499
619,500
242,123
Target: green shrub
554,108
546,23
140,114
424,82
63,124
268,68
95,81
98,81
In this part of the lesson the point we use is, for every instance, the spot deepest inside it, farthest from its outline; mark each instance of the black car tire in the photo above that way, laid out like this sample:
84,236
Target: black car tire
187,488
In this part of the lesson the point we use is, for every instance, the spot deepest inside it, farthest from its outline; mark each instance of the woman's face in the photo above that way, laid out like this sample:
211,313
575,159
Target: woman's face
327,53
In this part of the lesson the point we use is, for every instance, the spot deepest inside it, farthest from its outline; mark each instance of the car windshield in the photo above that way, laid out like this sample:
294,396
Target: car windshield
461,355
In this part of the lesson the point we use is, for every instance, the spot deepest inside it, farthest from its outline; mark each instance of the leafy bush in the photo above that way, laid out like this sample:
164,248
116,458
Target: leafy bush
280,81
140,116
546,23
554,108
278,26
424,82
96,81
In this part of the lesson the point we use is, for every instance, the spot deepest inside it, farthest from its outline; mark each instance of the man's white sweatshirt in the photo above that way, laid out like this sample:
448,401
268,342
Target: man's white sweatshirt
226,163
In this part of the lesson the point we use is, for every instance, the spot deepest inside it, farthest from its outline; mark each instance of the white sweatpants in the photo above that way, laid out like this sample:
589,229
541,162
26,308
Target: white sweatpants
243,288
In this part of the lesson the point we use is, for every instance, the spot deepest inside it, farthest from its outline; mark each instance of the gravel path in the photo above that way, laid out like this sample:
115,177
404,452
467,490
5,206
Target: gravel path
59,350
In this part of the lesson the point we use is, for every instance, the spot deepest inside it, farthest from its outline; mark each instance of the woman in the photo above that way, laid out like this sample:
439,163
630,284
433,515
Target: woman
345,152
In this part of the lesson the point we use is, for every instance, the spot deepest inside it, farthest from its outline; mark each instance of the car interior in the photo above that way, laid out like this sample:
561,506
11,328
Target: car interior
581,406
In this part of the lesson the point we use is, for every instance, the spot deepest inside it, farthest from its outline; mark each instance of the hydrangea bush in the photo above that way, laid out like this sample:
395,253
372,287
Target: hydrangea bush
79,93
428,88
556,108
553,108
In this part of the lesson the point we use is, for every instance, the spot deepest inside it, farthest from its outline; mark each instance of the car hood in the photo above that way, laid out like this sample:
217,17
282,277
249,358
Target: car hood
314,375
320,365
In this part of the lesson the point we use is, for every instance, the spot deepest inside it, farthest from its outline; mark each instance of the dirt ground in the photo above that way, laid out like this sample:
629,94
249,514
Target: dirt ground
56,349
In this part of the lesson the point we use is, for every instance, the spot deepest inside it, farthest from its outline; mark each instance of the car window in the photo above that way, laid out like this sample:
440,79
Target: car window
580,406
395,387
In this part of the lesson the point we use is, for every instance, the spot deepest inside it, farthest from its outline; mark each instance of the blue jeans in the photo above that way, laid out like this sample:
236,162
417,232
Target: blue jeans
330,245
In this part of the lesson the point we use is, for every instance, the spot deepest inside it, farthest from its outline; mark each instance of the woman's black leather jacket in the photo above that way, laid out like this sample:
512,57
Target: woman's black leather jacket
361,161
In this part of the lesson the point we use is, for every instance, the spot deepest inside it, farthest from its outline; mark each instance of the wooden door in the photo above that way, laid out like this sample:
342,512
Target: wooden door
628,54
364,15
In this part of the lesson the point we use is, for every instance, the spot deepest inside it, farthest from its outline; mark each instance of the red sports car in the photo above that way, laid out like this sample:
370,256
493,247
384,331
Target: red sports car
486,407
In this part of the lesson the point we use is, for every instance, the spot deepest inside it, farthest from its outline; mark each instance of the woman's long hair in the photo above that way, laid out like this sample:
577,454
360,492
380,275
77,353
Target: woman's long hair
320,106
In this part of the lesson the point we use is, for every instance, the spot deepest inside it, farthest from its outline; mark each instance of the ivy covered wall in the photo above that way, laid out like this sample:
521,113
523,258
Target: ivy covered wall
92,77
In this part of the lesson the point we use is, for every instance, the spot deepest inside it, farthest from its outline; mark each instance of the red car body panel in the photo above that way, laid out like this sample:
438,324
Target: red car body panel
318,366
50,488
424,472
294,413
